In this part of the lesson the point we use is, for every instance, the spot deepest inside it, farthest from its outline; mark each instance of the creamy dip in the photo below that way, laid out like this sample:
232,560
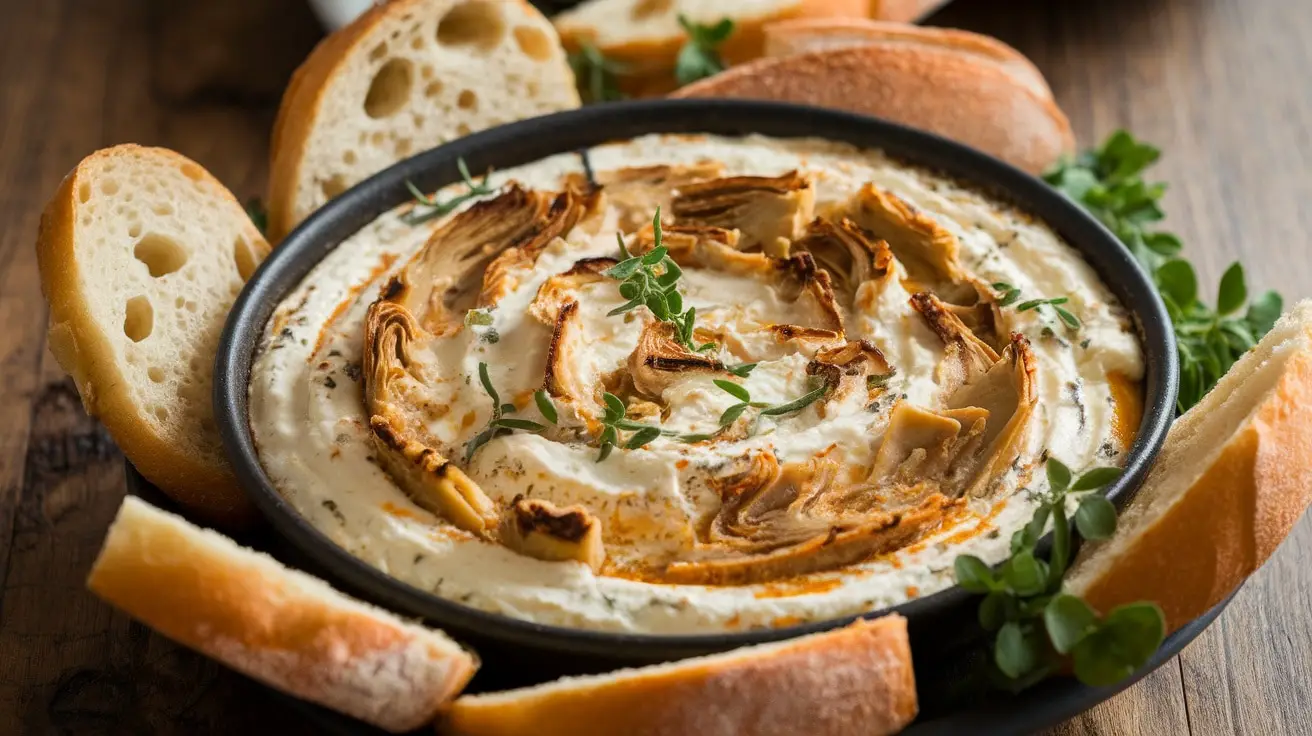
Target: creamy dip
313,433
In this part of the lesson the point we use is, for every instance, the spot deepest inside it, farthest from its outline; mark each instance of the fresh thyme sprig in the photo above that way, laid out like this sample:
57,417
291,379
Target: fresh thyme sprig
740,392
500,424
433,208
742,370
596,74
1008,294
652,280
614,422
1107,182
700,56
1036,624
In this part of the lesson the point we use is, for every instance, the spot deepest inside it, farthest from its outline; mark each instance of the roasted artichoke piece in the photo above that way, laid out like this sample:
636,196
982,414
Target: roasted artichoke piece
659,360
564,211
561,381
848,253
928,251
777,522
419,469
540,529
562,288
685,244
967,357
637,191
1008,391
768,211
846,370
920,445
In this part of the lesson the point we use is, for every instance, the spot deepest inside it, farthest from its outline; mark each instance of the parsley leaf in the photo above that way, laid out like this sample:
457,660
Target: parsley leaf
700,56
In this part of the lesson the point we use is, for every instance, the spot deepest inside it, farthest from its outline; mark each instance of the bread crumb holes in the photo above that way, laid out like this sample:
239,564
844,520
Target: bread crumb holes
140,319
390,89
193,171
84,192
533,42
161,254
468,100
156,374
477,24
433,89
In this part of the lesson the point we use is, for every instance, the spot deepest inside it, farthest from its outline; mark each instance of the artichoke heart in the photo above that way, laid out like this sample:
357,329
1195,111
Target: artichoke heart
540,529
769,211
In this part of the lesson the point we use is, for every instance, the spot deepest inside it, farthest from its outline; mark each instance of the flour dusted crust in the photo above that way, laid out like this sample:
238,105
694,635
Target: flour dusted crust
275,624
980,104
1233,478
855,680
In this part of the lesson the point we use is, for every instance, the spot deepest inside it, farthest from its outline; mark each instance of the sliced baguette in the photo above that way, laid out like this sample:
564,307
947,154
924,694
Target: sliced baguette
935,89
644,36
1234,476
903,11
406,76
856,680
805,35
277,625
141,254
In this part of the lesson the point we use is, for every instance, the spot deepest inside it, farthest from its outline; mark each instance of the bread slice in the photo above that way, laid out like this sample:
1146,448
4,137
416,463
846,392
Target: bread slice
406,76
141,254
903,11
855,680
279,626
804,35
1234,476
644,36
937,89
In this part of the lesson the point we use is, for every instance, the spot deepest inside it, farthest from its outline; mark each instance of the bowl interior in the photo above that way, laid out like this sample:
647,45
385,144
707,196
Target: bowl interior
530,140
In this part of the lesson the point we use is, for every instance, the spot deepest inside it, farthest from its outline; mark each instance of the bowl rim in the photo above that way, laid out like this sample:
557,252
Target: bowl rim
532,139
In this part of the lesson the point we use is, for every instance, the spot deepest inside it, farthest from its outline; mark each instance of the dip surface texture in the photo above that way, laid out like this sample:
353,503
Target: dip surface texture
930,403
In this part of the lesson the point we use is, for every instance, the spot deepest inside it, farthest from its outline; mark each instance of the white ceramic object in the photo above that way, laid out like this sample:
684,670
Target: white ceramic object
336,13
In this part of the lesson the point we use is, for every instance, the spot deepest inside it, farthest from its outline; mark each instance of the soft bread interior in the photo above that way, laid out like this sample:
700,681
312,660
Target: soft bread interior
159,252
1199,437
273,623
419,74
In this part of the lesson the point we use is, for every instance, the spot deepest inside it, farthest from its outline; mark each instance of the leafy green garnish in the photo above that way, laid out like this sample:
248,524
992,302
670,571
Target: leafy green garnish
742,370
428,207
1036,623
740,392
596,74
652,280
259,215
700,56
1008,294
500,424
1107,182
614,422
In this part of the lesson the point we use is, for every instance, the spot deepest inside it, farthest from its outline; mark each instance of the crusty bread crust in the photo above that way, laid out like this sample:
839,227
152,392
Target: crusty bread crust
280,626
903,11
1190,550
818,34
856,680
81,346
939,90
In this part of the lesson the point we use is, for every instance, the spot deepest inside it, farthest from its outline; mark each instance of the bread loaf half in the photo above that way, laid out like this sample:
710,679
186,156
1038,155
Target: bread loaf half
142,253
406,76
855,680
940,90
280,626
1234,476
805,35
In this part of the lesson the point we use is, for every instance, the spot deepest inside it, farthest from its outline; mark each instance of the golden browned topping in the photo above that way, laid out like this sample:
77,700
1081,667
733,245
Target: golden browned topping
768,211
540,529
660,359
847,252
637,191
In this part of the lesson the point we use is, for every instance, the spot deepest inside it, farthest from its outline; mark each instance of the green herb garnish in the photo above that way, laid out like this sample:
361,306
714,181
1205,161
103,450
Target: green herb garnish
432,208
1035,623
652,280
596,74
259,215
614,422
700,56
740,392
742,370
1107,182
479,321
500,424
1008,294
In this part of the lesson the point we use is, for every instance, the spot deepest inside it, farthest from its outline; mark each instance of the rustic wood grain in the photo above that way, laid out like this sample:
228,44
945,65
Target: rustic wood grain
1217,83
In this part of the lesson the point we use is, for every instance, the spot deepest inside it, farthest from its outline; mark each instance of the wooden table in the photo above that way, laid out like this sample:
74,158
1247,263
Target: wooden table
1220,84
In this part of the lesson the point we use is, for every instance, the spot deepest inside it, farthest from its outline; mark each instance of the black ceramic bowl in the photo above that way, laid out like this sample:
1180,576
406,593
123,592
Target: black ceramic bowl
938,622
